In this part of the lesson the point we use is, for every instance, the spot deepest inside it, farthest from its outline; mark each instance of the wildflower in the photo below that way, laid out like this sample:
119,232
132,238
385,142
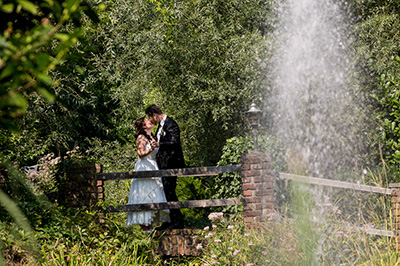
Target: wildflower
230,226
230,248
206,228
209,235
217,241
199,246
336,210
236,252
214,262
213,256
267,261
251,244
215,216
249,264
214,226
265,253
246,234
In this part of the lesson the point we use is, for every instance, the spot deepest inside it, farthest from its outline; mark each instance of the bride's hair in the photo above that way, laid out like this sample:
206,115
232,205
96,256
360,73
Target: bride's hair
139,125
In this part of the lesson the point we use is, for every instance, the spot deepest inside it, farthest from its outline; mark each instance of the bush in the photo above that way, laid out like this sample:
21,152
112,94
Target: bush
229,185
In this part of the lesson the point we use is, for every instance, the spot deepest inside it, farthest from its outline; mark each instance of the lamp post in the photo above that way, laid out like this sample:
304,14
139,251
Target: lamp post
253,117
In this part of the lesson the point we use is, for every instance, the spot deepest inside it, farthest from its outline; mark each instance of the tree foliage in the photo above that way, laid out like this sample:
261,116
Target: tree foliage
198,60
35,37
33,42
377,29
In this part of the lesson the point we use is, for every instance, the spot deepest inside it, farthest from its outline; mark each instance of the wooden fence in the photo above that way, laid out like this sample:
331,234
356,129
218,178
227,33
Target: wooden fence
336,184
85,186
182,172
345,185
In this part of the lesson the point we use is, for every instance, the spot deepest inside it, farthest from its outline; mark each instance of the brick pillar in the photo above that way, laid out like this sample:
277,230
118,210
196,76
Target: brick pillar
257,187
81,187
178,242
396,212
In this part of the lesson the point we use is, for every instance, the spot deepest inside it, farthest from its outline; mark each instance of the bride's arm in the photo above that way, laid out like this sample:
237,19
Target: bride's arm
141,144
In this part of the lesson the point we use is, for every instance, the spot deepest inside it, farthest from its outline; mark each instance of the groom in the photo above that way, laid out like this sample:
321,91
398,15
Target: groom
169,156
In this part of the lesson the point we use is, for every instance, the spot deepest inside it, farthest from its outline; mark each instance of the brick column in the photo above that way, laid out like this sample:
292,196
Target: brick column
396,212
178,242
257,187
81,187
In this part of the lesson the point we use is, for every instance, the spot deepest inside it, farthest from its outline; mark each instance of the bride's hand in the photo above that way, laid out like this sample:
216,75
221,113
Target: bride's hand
154,144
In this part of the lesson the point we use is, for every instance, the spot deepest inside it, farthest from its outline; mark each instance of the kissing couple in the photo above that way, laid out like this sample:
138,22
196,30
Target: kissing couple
160,151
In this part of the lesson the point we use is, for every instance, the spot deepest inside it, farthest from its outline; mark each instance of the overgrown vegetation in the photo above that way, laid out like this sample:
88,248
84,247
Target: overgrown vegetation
67,82
377,27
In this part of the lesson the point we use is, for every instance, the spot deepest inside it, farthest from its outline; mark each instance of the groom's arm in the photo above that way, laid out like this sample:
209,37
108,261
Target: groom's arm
174,134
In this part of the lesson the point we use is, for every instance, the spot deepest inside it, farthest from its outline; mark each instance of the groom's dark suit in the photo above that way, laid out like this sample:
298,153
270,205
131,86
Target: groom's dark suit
170,156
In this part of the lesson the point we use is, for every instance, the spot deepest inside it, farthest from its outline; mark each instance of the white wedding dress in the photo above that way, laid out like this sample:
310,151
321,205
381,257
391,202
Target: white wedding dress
147,190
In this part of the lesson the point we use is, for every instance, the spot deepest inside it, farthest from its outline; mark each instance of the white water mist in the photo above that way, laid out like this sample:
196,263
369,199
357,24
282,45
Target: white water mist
316,107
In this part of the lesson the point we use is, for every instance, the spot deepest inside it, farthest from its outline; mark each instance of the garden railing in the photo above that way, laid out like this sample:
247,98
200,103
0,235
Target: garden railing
181,172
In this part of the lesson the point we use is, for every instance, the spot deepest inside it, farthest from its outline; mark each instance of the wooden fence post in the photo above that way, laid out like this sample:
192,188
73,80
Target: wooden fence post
82,188
257,187
396,212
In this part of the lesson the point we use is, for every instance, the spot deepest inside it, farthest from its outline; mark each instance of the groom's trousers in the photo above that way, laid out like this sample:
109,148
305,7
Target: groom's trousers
176,216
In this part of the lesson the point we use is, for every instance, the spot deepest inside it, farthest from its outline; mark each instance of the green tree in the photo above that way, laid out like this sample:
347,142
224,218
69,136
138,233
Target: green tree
35,38
33,42
197,60
378,28
200,61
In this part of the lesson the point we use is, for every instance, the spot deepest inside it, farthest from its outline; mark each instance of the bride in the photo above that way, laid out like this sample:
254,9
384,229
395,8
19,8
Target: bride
146,190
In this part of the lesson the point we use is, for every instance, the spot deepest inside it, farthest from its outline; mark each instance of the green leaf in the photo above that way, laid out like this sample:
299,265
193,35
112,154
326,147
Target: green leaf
16,99
45,79
72,5
62,36
14,211
46,94
28,6
7,71
7,8
3,42
43,61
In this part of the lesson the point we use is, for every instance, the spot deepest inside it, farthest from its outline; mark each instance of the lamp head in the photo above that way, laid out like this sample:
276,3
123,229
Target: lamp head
254,116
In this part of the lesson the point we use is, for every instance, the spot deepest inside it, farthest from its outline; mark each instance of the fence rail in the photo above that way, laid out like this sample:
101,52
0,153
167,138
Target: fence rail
345,185
175,205
180,172
197,171
335,183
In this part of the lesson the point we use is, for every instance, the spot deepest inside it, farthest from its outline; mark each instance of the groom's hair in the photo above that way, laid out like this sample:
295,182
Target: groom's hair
153,109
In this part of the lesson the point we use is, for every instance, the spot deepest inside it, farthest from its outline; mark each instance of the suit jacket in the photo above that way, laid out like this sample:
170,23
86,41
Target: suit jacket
170,155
